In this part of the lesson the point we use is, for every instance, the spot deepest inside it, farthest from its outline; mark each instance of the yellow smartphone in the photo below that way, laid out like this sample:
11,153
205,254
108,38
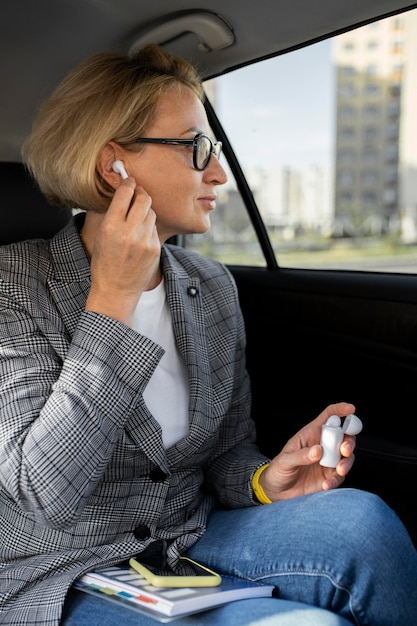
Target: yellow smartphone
189,574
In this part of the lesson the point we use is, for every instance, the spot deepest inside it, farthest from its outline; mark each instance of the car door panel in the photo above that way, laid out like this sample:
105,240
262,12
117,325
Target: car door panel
317,337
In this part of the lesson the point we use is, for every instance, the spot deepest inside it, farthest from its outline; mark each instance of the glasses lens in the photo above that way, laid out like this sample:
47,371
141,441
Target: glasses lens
217,148
203,148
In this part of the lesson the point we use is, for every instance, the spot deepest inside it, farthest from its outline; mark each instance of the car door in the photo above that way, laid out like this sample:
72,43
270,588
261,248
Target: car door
324,249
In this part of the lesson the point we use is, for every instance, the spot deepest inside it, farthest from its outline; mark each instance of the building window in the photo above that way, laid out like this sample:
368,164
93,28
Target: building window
369,178
348,90
393,108
348,70
397,24
346,178
370,133
347,156
391,175
346,197
395,90
371,111
392,130
372,89
390,196
347,112
370,155
369,198
347,133
392,152
371,70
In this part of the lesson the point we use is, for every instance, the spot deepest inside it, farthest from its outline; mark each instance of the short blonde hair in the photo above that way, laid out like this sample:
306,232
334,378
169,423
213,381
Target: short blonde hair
107,97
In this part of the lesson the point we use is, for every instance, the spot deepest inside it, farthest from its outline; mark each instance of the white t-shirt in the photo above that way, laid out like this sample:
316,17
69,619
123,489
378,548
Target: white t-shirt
166,394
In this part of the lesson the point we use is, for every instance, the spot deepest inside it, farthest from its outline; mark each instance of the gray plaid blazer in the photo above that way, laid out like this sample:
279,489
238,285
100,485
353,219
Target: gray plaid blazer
84,477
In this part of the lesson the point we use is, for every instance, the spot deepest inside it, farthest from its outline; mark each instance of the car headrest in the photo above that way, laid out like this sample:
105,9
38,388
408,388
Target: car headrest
24,211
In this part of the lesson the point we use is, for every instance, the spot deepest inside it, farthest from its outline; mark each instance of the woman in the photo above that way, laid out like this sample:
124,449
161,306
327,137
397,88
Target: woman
125,402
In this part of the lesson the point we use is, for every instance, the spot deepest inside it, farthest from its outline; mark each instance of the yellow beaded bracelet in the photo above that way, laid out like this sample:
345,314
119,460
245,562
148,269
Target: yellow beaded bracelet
257,489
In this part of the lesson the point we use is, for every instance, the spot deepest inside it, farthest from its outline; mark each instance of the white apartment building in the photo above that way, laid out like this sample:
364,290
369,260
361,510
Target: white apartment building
375,188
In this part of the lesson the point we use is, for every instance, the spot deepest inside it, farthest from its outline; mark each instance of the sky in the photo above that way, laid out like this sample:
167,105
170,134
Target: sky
292,100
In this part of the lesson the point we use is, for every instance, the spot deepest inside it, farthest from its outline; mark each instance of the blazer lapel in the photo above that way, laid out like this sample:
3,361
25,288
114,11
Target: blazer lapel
186,306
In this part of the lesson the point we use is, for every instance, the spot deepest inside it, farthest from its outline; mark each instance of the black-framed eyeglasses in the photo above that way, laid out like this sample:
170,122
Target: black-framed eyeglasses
203,147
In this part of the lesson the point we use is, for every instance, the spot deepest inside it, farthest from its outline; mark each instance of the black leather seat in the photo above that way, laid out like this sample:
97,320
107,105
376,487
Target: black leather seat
24,211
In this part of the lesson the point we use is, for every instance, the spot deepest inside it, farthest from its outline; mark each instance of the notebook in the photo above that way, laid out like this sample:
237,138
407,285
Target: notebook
123,585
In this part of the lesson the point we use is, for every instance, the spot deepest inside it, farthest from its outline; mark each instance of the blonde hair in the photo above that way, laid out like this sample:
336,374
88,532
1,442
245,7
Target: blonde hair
107,97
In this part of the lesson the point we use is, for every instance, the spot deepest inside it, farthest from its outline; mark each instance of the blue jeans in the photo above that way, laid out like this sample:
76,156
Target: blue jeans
343,550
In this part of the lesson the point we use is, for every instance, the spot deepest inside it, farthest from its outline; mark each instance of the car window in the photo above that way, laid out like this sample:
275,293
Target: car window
327,139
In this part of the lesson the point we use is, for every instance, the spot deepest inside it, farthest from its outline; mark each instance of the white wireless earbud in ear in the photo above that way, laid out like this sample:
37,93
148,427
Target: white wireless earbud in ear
119,168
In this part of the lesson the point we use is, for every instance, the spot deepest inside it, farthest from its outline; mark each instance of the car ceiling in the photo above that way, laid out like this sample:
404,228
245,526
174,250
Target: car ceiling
42,39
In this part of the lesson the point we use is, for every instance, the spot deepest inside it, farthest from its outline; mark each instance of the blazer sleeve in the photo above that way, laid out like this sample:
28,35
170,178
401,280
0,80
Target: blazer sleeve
63,402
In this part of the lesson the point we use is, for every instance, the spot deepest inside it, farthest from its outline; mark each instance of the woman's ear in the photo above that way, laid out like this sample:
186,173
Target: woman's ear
105,163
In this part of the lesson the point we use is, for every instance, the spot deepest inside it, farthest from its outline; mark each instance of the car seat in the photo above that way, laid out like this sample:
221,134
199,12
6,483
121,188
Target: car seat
25,213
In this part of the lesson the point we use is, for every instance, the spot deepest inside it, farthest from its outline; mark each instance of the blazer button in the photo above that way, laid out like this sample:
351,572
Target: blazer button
157,475
192,291
142,532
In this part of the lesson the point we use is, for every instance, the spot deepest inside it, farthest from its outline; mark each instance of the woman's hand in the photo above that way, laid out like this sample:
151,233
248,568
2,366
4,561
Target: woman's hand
296,471
125,252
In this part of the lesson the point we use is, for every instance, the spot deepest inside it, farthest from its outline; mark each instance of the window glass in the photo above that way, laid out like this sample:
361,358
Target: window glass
327,139
231,238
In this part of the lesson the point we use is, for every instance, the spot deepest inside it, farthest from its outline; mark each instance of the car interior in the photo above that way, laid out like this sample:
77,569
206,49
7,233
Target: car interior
315,334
